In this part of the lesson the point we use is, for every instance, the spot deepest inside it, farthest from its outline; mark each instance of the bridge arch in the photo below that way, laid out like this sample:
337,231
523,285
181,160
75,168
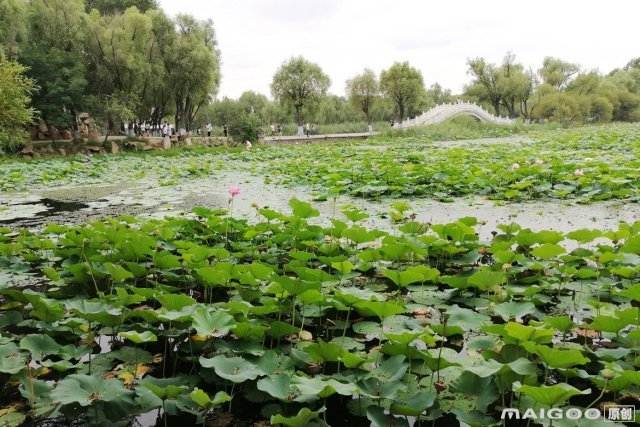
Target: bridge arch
443,112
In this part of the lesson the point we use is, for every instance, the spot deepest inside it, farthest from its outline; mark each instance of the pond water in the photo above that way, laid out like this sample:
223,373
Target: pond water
144,197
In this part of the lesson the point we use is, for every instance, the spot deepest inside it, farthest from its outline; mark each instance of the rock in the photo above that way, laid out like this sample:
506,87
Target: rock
42,127
42,136
62,152
115,148
147,148
94,136
188,142
94,149
66,134
166,143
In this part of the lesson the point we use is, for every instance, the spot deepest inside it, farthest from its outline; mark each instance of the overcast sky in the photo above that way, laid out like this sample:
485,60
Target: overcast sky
256,36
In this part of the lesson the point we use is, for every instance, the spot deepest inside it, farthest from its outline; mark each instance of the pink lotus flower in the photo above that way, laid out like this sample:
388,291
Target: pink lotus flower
515,166
539,161
578,172
234,190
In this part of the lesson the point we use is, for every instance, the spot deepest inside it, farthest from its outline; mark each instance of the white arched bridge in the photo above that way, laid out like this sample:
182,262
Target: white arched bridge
443,112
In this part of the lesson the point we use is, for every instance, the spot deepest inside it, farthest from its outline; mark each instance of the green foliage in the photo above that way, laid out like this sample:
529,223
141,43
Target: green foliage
297,82
362,91
404,85
245,127
15,95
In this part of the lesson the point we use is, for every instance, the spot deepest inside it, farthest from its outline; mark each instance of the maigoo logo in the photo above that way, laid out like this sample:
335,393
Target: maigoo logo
619,413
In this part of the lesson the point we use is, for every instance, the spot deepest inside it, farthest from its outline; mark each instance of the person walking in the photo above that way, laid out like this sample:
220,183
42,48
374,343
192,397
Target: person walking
165,129
273,129
209,129
225,130
307,127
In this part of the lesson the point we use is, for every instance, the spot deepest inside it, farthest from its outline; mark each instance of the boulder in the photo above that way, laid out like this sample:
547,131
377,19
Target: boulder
115,148
94,136
62,151
166,143
66,134
42,127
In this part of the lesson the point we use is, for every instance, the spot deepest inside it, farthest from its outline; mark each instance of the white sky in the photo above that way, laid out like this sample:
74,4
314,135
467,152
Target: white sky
343,37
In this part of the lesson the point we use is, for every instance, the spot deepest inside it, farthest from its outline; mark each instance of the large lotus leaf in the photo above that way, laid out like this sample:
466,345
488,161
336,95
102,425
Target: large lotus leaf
303,209
325,352
513,310
302,419
273,363
529,333
475,418
216,324
323,386
175,302
40,346
86,389
213,277
378,418
548,251
235,369
584,235
414,405
203,400
45,309
351,296
487,368
102,313
632,292
139,337
549,395
557,357
380,309
486,279
278,386
561,323
12,360
484,389
465,318
403,278
117,273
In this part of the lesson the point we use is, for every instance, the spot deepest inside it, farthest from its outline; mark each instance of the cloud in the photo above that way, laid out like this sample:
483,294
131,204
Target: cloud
344,37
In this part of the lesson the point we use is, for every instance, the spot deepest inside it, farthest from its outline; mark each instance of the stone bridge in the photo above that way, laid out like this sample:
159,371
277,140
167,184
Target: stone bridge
443,112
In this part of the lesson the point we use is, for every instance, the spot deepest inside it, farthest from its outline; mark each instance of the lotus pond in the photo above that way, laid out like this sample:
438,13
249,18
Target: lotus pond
315,313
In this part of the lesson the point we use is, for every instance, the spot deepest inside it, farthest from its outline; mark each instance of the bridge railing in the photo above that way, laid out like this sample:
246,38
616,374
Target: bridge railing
444,111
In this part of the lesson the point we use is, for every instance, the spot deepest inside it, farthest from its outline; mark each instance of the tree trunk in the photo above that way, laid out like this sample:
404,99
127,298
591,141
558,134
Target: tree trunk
400,112
299,120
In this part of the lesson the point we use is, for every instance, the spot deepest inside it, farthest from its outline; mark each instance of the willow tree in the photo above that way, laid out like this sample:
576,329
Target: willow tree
298,82
404,85
362,91
192,67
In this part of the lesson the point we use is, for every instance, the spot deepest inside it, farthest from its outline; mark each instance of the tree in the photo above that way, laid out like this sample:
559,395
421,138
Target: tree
404,85
15,95
113,7
557,72
296,83
485,86
193,67
362,90
13,26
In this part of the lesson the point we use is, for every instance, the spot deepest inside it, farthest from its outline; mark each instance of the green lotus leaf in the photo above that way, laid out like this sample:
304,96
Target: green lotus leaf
235,369
549,395
216,324
302,419
139,337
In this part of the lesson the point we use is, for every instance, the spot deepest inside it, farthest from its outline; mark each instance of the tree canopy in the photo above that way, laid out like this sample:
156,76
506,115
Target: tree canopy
298,82
404,85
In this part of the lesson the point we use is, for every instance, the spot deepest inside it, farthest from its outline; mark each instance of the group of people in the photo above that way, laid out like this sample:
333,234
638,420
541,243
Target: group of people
276,127
309,129
208,129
